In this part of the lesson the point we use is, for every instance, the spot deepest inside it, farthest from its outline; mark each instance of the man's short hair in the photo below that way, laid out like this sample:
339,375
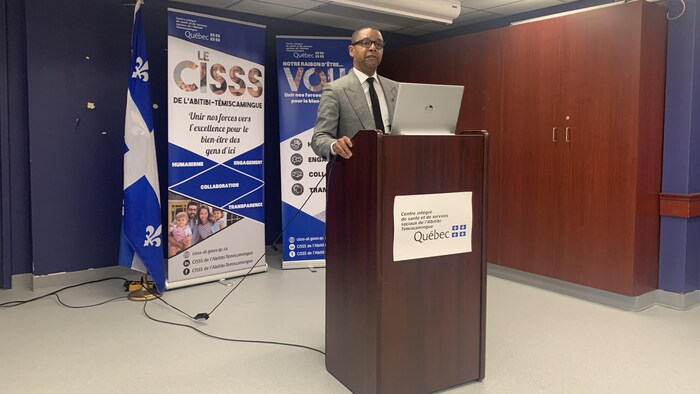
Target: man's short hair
356,33
195,203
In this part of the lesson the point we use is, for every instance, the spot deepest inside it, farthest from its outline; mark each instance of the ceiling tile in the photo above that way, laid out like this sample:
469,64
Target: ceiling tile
523,6
474,17
466,10
303,4
327,13
434,26
412,31
320,18
367,15
267,9
484,4
212,3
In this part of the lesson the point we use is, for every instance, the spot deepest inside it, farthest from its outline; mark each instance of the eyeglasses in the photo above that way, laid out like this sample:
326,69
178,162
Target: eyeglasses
366,42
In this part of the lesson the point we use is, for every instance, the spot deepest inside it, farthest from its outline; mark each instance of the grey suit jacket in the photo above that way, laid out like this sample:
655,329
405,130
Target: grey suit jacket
343,111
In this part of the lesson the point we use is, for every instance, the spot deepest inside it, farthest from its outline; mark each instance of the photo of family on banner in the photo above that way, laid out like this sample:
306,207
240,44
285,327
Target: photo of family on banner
193,224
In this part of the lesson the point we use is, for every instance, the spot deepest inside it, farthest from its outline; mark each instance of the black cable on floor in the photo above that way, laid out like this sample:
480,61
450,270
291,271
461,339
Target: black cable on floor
205,316
12,304
228,339
90,305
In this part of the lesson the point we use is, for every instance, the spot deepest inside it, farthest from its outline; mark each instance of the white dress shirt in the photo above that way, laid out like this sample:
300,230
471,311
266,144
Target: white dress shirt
380,95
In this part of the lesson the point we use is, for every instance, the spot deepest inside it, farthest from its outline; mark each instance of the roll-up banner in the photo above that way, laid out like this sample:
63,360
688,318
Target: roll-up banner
305,65
216,132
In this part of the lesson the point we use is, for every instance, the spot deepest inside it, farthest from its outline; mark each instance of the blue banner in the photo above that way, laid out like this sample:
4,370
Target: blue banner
305,65
216,220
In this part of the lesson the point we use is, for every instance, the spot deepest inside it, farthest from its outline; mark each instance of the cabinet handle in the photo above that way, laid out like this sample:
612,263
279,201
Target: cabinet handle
554,134
567,134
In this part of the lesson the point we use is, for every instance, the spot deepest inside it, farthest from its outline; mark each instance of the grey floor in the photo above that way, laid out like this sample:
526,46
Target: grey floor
537,342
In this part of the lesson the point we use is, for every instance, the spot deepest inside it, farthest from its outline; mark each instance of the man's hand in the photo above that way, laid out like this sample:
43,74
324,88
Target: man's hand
342,147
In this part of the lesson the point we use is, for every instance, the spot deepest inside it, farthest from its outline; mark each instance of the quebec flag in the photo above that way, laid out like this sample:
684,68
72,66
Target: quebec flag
141,245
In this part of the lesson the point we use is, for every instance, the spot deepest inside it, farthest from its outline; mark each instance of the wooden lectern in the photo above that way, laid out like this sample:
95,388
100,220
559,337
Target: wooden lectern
411,326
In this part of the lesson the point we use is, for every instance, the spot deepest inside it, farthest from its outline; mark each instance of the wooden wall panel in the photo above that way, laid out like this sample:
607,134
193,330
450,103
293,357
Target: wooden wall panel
574,110
650,145
433,62
475,61
396,64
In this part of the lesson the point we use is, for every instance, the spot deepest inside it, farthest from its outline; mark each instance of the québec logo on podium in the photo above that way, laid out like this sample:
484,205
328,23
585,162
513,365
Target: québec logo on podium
455,231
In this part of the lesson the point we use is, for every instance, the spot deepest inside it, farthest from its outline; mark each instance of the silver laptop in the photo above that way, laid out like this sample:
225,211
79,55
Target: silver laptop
426,109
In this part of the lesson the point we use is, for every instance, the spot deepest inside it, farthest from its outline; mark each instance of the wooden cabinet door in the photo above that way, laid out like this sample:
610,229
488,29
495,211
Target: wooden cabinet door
600,64
530,160
478,66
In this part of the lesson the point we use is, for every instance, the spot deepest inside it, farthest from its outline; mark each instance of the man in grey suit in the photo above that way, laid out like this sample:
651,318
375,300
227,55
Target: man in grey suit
360,100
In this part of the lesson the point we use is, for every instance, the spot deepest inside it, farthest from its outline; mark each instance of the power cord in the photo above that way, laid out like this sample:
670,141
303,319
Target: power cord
12,304
670,18
228,339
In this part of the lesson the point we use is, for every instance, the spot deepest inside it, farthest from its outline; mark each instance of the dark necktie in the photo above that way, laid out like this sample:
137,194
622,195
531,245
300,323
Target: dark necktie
376,111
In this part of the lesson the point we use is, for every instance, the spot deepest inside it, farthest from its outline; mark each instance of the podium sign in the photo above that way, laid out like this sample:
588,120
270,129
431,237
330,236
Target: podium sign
428,225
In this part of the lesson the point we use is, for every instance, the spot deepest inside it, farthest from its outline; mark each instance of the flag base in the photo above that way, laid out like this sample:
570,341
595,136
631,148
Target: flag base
142,290
141,295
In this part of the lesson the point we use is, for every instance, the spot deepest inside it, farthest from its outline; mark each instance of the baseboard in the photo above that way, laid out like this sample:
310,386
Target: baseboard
682,302
636,304
58,279
21,281
61,279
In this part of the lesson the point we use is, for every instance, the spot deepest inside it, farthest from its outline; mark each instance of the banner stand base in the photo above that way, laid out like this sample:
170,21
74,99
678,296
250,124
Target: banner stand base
303,264
214,278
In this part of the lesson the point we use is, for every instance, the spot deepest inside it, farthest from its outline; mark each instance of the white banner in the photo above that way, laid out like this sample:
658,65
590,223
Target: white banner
216,134
428,225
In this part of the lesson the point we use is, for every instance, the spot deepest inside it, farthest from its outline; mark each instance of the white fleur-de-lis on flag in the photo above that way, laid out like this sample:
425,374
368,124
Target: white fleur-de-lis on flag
141,70
152,236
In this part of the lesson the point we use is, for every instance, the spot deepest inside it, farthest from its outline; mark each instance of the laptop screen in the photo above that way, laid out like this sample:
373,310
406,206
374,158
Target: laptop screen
426,109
